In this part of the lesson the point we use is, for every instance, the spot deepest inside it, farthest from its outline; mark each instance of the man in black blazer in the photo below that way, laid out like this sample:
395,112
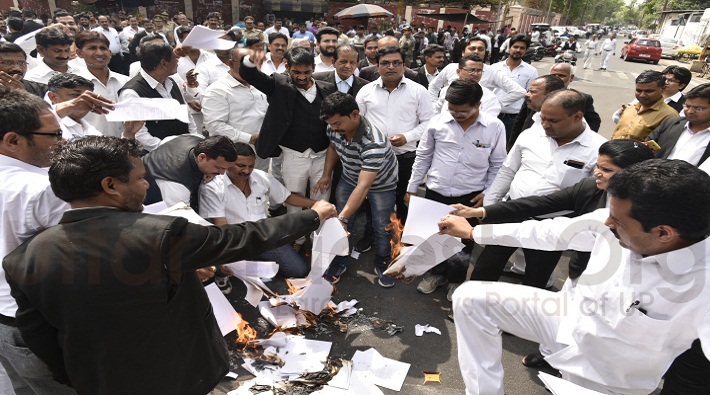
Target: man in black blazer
564,71
434,56
694,148
292,123
119,308
677,79
344,78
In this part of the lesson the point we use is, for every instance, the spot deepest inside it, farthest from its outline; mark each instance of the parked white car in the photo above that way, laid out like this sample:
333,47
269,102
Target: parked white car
670,46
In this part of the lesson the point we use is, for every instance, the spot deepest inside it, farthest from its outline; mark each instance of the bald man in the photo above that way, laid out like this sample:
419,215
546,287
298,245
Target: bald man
370,73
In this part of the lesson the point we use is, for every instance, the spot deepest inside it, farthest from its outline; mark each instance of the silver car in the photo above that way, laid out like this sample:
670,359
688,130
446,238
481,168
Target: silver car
670,46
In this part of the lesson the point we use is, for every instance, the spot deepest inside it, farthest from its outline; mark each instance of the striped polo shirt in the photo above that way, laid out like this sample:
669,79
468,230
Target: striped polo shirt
369,150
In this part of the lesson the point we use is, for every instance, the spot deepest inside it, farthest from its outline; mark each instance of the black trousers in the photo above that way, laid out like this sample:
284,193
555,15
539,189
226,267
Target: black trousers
405,162
689,374
539,265
454,268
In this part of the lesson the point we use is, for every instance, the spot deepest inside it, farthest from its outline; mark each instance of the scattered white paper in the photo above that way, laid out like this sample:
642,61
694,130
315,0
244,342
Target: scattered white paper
255,289
185,211
148,109
232,375
204,38
283,316
379,370
423,222
416,260
331,238
319,264
227,317
358,386
419,330
314,296
346,308
261,269
155,208
342,378
560,386
302,355
278,339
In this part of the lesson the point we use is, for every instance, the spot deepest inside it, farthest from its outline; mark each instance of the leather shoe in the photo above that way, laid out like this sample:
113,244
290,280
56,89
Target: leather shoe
535,360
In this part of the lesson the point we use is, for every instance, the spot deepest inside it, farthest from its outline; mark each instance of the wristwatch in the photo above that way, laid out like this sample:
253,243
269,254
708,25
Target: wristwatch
343,219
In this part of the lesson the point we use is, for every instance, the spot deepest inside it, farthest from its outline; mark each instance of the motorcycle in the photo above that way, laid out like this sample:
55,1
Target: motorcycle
568,56
537,51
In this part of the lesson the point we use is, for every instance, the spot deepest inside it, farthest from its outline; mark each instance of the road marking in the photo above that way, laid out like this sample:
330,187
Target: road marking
622,75
635,75
606,74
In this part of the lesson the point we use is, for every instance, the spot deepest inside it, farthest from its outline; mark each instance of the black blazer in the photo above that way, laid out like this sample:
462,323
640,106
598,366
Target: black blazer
666,135
581,198
281,95
363,63
120,309
421,76
677,105
370,73
329,76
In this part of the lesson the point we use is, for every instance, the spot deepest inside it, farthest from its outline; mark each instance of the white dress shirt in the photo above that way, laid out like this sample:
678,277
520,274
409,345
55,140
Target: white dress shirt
509,92
523,75
27,206
344,85
601,320
535,166
221,198
690,145
209,72
592,46
489,102
609,45
268,67
125,36
42,73
109,91
186,64
406,110
283,31
113,39
457,162
147,140
233,109
321,67
72,129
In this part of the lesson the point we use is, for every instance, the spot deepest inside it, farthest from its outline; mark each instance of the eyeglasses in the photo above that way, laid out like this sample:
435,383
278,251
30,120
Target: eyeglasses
8,63
395,64
461,113
473,71
668,80
694,108
58,135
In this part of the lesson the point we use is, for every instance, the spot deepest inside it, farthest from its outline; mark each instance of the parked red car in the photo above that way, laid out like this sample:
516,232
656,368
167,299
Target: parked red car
642,48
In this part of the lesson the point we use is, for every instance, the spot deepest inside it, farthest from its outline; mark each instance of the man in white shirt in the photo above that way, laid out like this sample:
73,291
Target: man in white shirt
93,48
116,63
520,72
65,87
459,155
509,91
327,41
558,151
126,36
677,79
235,109
243,194
277,28
399,107
158,62
29,131
471,67
54,45
212,69
618,327
274,61
608,50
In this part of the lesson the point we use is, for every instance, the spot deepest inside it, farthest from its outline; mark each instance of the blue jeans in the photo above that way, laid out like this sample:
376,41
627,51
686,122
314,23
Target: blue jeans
290,263
29,375
381,206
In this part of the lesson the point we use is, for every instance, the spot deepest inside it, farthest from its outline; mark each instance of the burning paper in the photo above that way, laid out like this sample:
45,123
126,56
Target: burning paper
314,297
379,370
301,355
420,330
282,316
251,272
416,260
328,241
227,317
346,308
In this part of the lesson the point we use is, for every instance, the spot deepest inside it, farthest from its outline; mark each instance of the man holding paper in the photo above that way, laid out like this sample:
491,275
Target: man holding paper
460,154
133,274
641,302
370,170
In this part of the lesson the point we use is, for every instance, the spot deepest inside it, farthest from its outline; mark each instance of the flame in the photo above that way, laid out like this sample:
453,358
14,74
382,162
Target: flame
245,333
395,227
291,289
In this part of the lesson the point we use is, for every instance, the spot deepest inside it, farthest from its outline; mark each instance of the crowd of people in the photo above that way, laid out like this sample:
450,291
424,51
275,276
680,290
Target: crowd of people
301,122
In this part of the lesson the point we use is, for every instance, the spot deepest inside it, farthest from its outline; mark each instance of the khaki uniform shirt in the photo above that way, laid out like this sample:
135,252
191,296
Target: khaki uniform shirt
636,124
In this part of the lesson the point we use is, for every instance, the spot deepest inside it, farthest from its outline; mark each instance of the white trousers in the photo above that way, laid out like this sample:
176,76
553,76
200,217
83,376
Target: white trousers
483,309
588,56
606,55
297,169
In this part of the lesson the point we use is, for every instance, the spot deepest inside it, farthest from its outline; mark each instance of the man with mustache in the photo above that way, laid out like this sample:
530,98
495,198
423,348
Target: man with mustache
116,63
274,61
54,45
13,66
327,41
